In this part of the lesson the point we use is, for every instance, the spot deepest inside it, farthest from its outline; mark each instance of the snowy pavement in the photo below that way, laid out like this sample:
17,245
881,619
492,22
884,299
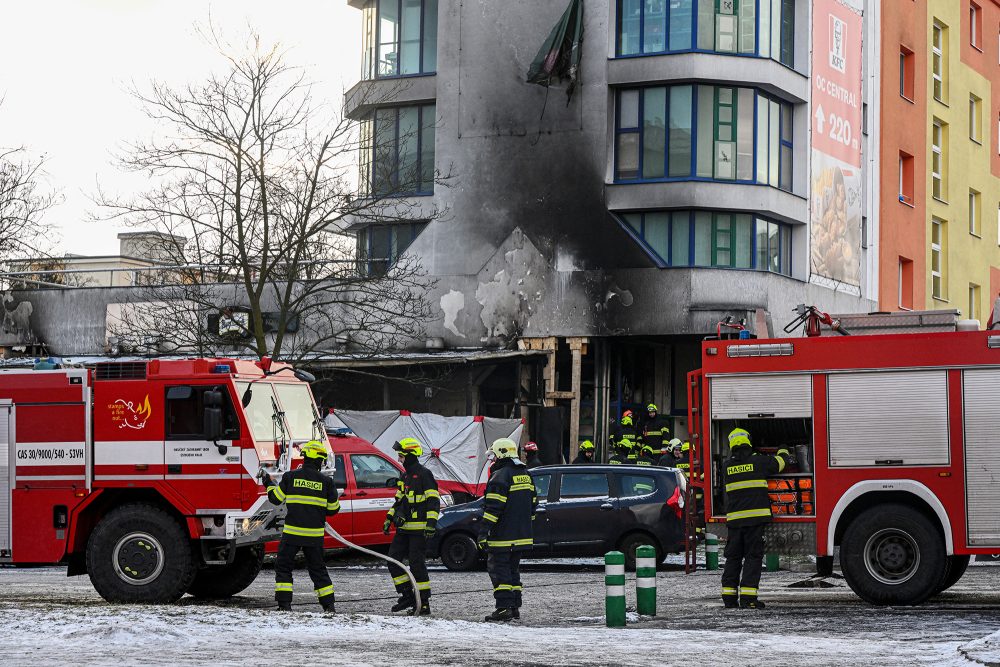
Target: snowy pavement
50,619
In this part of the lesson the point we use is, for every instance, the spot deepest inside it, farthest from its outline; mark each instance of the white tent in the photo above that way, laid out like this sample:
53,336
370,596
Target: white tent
454,447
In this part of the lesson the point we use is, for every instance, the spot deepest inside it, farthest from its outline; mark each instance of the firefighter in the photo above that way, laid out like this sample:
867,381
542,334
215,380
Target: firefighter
310,497
672,454
414,513
748,511
531,458
621,449
586,454
505,532
654,428
684,460
645,457
626,430
632,448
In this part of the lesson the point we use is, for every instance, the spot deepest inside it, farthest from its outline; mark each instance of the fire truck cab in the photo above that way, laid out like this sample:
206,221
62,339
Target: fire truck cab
143,475
894,442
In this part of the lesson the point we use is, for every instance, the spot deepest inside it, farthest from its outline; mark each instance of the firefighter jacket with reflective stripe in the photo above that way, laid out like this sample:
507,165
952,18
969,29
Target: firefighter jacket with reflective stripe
417,499
655,431
644,461
510,507
615,460
626,432
310,497
746,473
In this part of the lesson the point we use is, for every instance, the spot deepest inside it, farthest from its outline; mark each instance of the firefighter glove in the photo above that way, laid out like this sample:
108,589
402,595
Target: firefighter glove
386,526
265,478
482,543
430,530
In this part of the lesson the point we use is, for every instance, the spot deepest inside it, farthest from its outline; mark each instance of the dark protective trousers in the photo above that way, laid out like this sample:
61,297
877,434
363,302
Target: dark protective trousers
411,547
504,568
744,552
317,572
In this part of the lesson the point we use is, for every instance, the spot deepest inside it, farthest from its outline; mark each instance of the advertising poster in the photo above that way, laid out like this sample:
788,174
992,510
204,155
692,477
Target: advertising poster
835,206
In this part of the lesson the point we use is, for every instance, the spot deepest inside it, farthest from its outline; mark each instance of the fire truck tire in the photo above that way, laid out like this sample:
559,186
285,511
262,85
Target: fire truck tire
633,541
139,553
956,568
893,555
215,582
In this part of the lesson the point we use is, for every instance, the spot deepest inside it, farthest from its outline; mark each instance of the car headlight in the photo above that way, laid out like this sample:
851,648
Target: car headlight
447,500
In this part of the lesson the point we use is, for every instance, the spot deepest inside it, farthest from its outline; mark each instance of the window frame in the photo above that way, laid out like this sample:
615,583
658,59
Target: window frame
229,412
907,74
938,229
906,178
371,164
937,160
975,213
367,263
975,118
975,26
975,293
371,61
938,61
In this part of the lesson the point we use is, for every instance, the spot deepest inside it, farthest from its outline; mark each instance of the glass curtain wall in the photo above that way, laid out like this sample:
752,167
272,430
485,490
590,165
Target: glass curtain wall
399,38
398,154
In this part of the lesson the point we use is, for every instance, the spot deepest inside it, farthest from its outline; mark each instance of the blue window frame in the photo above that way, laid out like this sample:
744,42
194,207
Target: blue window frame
757,28
688,132
399,38
379,246
398,151
719,239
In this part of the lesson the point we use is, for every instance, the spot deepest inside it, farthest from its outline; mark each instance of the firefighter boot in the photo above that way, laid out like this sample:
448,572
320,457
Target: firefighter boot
501,615
425,605
730,602
405,601
328,604
751,602
284,605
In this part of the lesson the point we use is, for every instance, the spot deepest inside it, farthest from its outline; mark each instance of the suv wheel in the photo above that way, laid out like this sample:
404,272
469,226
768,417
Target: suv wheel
632,542
459,552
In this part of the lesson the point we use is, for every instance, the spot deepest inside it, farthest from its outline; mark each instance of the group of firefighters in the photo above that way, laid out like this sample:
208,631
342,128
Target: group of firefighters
510,502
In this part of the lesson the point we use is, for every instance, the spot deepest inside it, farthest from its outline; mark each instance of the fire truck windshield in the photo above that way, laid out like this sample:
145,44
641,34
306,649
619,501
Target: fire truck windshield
294,399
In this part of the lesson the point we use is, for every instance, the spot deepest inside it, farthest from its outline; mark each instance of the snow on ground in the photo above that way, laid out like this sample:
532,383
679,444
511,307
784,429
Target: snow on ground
53,620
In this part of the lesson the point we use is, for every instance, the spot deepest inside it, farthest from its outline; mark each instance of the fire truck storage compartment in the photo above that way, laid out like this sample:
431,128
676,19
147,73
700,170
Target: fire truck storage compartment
982,465
777,412
891,418
6,470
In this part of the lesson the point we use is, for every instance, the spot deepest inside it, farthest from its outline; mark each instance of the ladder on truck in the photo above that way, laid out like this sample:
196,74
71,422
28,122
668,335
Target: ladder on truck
694,520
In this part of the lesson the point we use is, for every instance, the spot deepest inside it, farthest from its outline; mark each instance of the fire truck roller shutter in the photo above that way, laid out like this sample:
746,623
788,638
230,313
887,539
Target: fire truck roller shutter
6,440
888,418
982,465
737,397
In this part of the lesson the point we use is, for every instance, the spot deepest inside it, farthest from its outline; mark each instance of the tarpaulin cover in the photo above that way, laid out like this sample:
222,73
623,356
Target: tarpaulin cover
454,447
559,58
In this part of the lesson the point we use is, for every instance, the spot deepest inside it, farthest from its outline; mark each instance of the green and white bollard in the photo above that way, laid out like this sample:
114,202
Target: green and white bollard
614,582
771,562
711,552
645,580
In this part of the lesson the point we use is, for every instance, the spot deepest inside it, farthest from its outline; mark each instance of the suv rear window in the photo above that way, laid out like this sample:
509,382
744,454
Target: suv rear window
637,485
584,485
542,486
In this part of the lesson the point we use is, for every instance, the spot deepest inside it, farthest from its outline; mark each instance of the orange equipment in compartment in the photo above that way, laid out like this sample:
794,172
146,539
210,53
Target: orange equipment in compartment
791,496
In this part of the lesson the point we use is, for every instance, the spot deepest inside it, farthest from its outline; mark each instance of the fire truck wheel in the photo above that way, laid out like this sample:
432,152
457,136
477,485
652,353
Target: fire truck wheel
633,541
139,553
215,582
956,568
893,554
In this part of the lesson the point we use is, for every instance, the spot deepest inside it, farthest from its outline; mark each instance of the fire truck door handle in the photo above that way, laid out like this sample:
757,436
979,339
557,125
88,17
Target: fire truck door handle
888,462
361,493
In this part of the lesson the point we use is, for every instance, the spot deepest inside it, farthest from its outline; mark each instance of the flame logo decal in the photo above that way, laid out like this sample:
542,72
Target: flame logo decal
130,415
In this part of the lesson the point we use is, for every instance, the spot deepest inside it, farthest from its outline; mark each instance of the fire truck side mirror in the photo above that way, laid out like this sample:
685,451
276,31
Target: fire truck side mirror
247,397
213,416
304,376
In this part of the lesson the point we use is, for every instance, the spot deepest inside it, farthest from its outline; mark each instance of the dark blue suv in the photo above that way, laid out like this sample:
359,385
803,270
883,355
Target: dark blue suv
583,510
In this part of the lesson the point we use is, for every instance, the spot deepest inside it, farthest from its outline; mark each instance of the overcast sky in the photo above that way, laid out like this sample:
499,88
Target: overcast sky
66,66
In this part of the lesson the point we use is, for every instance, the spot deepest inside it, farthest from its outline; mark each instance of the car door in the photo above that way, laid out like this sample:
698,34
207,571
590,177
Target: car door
375,489
540,527
578,518
342,521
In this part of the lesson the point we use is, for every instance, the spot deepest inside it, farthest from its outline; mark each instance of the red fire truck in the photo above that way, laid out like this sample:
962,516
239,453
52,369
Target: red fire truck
895,440
144,474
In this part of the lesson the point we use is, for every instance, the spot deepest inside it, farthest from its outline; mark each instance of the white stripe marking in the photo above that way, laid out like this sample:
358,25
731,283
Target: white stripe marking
220,476
120,478
645,582
128,452
645,562
53,478
616,591
614,569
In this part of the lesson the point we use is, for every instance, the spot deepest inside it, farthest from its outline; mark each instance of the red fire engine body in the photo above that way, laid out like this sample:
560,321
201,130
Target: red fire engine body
144,474
895,443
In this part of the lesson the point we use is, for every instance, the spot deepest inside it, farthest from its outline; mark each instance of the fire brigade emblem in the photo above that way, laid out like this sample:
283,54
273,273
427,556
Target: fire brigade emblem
129,415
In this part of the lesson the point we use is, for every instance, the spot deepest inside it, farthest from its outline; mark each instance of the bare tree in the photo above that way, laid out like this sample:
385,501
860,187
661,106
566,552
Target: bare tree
22,205
251,191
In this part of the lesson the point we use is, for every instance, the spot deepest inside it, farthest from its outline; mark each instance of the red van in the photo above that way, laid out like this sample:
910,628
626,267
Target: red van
366,481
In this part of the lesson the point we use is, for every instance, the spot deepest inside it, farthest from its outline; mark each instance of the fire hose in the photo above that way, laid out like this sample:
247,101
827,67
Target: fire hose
350,545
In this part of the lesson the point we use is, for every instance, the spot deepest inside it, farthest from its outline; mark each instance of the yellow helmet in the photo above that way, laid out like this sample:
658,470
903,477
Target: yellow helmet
314,449
651,407
409,446
647,449
739,437
626,420
626,443
586,446
504,448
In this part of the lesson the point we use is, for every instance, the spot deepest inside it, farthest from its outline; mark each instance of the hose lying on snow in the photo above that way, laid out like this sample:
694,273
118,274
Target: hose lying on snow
350,545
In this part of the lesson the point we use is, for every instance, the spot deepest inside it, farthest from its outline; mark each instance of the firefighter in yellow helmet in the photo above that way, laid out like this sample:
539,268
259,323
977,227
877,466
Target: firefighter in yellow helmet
414,512
310,497
748,511
586,454
655,428
505,532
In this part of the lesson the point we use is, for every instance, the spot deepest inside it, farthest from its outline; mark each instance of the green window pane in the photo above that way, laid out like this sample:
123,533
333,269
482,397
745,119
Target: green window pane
681,231
773,248
655,24
788,32
703,239
748,24
786,251
723,240
654,131
705,137
761,139
628,25
775,50
388,37
409,58
634,221
762,255
744,135
706,24
772,143
430,29
742,236
657,233
680,130
681,24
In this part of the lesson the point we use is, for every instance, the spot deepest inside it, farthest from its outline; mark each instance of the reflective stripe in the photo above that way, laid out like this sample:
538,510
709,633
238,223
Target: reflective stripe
748,484
489,517
278,493
727,590
333,506
748,591
433,515
423,585
282,587
305,500
504,587
516,588
431,493
781,463
401,579
522,487
303,532
526,542
323,592
747,514
414,525
496,496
